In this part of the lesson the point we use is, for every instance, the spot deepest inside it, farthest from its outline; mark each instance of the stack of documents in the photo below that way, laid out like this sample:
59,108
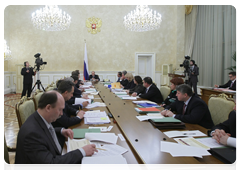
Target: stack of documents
97,120
102,137
95,113
90,96
102,128
178,150
74,144
90,90
192,133
150,116
81,100
129,98
80,133
147,110
120,93
116,90
116,159
88,83
85,86
144,101
148,105
95,104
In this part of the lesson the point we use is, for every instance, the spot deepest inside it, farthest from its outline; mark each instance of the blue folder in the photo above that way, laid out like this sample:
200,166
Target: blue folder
148,105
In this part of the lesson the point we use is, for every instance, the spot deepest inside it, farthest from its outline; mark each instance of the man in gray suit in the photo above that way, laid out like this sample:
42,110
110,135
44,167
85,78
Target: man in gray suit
37,141
193,73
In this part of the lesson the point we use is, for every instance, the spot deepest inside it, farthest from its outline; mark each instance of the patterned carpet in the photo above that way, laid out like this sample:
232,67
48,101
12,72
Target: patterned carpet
11,127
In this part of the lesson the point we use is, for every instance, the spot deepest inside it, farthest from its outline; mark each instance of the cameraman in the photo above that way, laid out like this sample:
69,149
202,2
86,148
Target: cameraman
27,73
193,73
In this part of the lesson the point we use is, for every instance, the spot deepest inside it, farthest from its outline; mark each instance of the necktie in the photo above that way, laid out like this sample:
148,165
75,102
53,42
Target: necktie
184,109
54,136
231,84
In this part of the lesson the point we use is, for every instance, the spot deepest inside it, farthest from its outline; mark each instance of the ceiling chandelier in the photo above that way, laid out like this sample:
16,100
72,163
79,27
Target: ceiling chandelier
51,18
142,19
7,52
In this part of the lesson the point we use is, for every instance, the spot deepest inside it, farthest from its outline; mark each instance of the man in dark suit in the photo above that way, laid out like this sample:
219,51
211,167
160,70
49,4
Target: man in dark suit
225,133
27,73
193,73
231,84
151,93
66,89
119,75
77,73
94,77
37,142
123,79
189,107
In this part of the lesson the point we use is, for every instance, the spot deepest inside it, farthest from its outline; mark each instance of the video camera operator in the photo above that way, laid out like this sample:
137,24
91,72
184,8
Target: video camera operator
27,73
193,73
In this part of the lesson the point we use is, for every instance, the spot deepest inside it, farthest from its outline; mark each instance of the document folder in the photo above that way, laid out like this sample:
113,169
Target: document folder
167,123
80,133
116,85
147,110
226,155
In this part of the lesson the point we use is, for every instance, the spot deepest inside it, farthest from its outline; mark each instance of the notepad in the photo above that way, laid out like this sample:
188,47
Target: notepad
80,133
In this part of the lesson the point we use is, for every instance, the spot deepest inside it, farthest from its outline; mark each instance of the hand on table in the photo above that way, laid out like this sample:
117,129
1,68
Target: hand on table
90,149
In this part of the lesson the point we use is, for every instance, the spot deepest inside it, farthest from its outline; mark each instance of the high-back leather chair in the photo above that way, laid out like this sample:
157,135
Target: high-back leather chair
220,106
165,90
24,108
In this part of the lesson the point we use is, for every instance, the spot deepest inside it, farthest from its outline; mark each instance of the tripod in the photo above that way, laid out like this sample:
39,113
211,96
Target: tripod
38,83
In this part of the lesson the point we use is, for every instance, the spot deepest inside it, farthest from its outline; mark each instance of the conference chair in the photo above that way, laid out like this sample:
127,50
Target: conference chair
50,87
7,149
165,90
24,108
220,106
36,97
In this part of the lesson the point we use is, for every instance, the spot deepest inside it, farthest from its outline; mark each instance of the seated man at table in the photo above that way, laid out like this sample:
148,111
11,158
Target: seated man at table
77,73
231,84
189,108
119,75
151,93
37,141
225,133
94,77
123,79
66,89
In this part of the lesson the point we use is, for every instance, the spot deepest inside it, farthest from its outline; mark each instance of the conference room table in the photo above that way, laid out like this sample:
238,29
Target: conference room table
142,139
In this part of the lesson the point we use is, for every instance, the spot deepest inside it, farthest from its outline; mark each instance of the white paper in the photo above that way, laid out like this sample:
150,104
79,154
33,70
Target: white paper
144,101
81,100
211,143
102,137
74,144
142,118
178,150
94,93
121,137
129,98
124,95
95,114
192,133
191,142
120,93
96,120
90,96
102,128
117,159
95,104
109,128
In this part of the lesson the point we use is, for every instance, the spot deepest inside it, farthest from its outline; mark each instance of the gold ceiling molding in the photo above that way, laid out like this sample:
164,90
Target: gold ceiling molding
93,24
188,9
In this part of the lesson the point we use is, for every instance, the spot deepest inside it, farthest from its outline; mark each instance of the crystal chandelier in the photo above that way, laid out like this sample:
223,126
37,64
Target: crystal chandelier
51,18
142,19
7,52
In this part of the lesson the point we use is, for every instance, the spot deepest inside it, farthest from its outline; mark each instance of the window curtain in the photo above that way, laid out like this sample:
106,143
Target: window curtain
190,27
215,43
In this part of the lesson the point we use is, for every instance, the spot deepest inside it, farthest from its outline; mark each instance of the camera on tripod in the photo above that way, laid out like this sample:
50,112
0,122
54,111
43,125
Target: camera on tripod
38,61
186,66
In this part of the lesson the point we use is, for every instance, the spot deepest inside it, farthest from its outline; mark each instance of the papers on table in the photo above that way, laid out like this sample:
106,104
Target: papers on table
102,129
102,137
97,120
110,150
90,96
81,100
116,159
191,142
129,98
178,150
211,143
91,90
152,116
87,83
95,113
94,93
116,90
144,101
192,133
95,104
119,93
80,133
85,86
74,144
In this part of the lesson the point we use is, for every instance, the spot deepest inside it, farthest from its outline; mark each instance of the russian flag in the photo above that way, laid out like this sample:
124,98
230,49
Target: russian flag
85,69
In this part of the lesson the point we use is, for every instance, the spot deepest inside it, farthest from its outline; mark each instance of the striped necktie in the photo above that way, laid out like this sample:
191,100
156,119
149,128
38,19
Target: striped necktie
184,109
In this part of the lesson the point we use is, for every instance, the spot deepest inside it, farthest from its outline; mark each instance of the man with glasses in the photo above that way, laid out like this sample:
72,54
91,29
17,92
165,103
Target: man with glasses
231,84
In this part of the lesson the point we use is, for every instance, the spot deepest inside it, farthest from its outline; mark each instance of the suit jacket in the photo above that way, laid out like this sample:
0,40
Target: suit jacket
197,112
229,126
118,79
138,89
66,120
27,77
78,83
124,82
193,77
153,94
130,85
228,84
35,145
76,94
95,76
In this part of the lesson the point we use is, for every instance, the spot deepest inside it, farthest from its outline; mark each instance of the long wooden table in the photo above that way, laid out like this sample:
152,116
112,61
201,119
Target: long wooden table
142,138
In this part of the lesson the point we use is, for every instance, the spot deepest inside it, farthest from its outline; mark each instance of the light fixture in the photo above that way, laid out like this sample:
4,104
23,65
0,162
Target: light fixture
142,19
51,18
7,52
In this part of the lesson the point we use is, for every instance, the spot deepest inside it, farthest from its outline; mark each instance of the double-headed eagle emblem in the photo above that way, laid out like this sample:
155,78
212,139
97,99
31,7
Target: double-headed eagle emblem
93,25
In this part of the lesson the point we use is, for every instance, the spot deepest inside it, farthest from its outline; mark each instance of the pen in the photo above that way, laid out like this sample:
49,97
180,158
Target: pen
189,133
184,142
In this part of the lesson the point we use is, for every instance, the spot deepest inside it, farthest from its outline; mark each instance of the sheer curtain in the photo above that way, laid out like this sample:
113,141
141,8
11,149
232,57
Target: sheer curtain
215,43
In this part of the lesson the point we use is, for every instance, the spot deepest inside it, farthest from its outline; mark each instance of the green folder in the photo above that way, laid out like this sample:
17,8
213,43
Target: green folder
167,119
80,133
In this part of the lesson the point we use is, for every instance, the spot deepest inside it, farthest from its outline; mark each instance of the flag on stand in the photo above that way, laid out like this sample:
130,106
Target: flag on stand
85,69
